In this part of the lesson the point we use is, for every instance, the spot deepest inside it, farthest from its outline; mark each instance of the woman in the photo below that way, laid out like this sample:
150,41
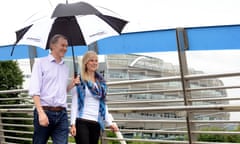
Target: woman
89,113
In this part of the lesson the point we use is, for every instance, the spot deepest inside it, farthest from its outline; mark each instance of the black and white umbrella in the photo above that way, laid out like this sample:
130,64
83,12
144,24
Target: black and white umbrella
80,22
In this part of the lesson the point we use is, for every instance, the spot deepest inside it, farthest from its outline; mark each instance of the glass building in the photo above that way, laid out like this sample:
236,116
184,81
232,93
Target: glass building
137,67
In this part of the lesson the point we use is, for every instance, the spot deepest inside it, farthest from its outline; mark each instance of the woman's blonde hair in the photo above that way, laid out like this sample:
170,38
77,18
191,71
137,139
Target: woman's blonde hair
86,57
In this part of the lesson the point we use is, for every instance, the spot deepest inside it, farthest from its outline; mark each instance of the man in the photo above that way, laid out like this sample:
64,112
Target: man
48,88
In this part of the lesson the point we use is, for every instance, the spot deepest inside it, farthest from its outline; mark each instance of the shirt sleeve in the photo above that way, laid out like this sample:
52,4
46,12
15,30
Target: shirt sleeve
74,106
36,79
108,117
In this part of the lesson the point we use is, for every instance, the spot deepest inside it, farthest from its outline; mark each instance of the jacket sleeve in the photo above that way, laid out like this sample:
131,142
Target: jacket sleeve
108,117
74,106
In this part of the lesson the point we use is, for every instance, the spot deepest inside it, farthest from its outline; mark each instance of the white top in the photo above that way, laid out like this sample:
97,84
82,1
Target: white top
90,110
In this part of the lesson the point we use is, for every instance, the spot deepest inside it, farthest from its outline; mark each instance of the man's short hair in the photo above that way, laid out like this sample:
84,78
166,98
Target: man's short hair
55,39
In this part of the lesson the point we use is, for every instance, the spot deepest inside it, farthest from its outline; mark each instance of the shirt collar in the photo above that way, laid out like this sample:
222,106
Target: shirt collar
52,59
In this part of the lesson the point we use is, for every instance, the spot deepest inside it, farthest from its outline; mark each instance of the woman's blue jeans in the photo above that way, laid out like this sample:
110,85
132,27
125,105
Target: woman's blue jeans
57,129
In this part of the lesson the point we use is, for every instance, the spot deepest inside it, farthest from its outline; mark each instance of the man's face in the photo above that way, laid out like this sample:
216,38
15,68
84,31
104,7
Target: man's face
60,48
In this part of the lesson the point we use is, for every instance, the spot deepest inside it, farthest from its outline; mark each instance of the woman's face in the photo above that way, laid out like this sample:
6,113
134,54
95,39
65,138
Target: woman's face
92,64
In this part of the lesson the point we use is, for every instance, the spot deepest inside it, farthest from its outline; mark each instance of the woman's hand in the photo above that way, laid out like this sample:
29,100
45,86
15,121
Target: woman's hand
73,130
114,127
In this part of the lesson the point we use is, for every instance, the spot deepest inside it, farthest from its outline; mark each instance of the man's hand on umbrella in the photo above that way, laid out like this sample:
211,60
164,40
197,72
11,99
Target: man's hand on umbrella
75,81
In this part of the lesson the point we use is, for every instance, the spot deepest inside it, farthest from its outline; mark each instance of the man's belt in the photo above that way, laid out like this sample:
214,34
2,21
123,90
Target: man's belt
51,108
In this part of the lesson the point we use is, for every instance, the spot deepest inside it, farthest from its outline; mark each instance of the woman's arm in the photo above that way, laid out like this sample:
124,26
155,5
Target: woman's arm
75,80
74,106
108,121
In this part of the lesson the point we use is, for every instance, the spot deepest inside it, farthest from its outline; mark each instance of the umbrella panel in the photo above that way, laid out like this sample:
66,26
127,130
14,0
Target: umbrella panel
78,8
67,26
116,23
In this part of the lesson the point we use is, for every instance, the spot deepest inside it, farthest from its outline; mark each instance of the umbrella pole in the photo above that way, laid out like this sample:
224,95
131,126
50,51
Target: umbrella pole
13,49
74,65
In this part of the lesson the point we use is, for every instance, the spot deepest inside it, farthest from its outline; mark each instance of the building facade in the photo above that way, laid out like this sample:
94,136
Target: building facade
137,67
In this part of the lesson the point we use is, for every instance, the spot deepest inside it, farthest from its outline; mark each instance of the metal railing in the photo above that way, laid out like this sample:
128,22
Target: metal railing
147,120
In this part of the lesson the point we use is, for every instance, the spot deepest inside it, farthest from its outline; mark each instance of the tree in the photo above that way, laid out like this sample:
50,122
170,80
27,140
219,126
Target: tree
11,77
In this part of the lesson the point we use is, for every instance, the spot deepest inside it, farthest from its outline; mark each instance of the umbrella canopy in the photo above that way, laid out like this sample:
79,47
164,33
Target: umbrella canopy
80,22
79,8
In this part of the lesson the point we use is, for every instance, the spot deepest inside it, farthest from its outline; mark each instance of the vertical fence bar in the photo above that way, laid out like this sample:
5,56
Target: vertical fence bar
182,43
2,140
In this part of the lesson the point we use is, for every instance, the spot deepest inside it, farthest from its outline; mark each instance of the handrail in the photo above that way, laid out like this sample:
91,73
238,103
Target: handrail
150,106
198,108
227,107
174,78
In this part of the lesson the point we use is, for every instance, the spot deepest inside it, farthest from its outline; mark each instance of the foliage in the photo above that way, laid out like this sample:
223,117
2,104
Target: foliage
112,134
218,137
71,139
11,78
